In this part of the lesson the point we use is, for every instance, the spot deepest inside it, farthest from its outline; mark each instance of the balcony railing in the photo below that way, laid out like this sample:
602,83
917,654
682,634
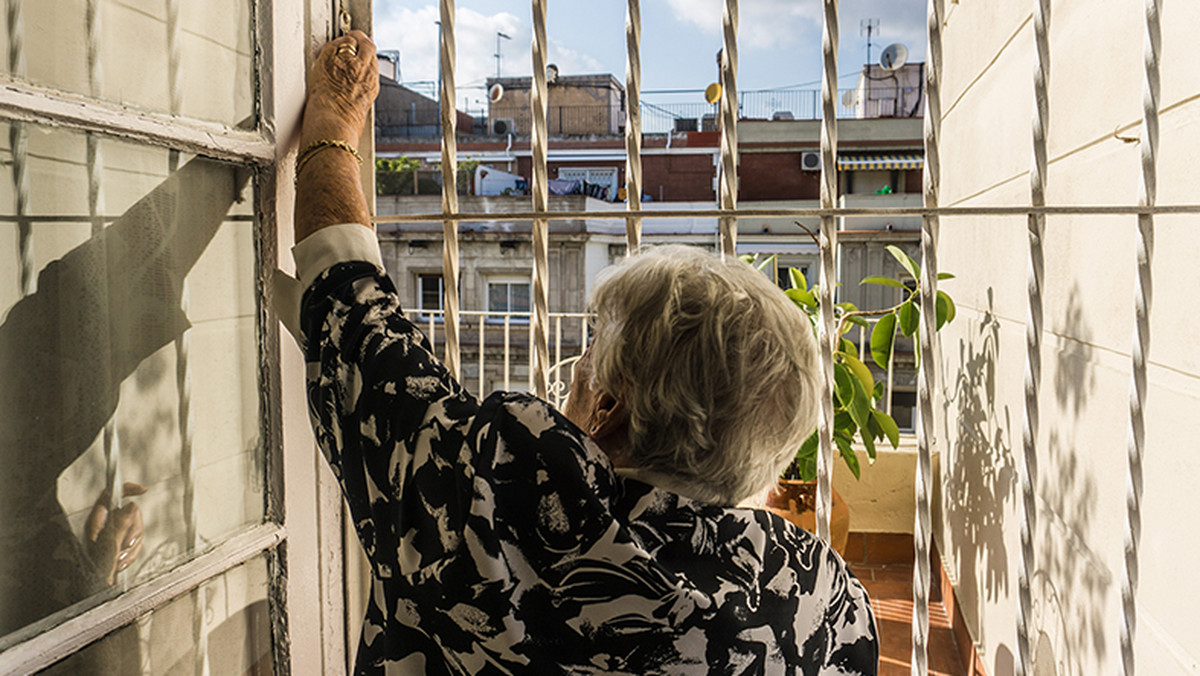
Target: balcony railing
497,351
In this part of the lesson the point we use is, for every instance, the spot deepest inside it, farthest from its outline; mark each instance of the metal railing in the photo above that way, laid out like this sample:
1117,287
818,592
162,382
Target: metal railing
498,346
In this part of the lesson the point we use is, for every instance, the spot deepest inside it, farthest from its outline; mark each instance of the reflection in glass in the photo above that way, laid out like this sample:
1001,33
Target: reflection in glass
186,58
221,628
129,412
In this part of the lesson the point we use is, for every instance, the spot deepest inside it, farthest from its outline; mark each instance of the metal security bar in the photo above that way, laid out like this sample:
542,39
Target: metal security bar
930,224
1143,299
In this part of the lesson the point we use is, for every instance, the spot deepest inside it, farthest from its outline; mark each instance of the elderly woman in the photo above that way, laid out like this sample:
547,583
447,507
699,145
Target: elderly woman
506,537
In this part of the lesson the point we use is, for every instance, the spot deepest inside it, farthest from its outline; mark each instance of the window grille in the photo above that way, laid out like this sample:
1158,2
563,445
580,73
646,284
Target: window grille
931,213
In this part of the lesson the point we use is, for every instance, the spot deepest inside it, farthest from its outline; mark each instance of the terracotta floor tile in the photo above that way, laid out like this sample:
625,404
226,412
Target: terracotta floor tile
890,589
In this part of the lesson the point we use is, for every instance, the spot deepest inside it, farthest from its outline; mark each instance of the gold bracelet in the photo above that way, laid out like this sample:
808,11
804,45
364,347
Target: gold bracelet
317,146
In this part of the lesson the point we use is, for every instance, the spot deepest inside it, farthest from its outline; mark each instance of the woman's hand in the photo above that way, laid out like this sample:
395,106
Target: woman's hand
114,538
342,85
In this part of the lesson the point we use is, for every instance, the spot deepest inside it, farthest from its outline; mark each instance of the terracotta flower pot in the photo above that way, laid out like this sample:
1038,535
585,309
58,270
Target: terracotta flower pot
796,501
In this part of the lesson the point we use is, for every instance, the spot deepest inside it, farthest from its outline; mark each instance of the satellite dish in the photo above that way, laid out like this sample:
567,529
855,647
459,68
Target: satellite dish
712,93
894,56
850,98
551,74
495,93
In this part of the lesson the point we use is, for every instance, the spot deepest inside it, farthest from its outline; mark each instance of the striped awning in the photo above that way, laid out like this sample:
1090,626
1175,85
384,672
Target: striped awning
877,161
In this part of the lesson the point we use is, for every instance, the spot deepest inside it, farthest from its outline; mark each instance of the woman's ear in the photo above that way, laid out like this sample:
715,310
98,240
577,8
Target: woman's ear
609,416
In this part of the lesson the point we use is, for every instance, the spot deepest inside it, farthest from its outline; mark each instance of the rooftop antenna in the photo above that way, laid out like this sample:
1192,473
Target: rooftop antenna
498,36
869,28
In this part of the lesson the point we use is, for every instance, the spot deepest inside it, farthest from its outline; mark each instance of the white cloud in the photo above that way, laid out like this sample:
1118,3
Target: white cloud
414,33
762,24
768,24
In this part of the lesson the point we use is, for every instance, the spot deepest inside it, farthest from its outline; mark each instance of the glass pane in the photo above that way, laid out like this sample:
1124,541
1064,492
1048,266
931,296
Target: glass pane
223,627
519,297
431,292
129,412
498,297
132,41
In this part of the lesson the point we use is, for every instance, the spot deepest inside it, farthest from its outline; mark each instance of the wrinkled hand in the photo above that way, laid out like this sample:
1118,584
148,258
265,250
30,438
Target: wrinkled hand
114,538
342,85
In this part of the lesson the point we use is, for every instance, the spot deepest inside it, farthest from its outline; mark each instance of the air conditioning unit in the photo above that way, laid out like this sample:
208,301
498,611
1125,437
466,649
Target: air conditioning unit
503,125
810,160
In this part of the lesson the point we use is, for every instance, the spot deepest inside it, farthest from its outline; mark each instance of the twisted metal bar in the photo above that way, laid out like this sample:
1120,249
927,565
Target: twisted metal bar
828,247
633,124
540,326
1033,340
449,188
729,132
183,364
174,58
1143,300
922,527
18,138
95,170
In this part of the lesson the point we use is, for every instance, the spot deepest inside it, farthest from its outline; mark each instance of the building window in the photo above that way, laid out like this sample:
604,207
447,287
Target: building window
509,295
430,292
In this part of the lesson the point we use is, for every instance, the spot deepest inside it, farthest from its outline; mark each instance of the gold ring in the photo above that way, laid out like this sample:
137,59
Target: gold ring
348,49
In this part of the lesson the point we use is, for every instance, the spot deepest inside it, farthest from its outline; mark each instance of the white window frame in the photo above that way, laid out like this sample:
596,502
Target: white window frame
303,533
507,280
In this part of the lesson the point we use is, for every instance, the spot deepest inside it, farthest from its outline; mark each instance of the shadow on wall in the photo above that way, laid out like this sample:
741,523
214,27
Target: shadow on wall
1071,583
982,477
98,313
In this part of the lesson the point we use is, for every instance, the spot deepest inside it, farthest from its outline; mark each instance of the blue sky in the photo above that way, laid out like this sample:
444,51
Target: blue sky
779,40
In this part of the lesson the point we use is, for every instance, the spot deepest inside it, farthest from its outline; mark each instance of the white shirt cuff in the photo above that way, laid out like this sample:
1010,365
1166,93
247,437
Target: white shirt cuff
315,254
332,245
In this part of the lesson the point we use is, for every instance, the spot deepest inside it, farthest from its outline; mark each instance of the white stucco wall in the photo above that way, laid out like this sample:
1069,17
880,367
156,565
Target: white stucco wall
1095,87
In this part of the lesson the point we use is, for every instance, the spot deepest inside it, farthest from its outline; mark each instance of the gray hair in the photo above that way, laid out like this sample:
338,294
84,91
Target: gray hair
715,364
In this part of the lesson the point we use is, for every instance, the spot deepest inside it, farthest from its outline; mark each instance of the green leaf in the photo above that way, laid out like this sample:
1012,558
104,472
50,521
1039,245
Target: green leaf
905,261
767,261
846,448
808,449
802,298
945,309
807,468
857,321
945,275
859,405
847,307
748,259
843,421
846,346
868,439
860,370
845,386
798,280
908,316
889,427
878,393
883,281
860,412
882,338
806,458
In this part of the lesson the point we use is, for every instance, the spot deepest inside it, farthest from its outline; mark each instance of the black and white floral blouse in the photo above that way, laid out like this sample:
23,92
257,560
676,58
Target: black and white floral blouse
502,540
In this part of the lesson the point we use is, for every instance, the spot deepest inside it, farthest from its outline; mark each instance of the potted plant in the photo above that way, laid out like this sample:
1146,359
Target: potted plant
857,395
